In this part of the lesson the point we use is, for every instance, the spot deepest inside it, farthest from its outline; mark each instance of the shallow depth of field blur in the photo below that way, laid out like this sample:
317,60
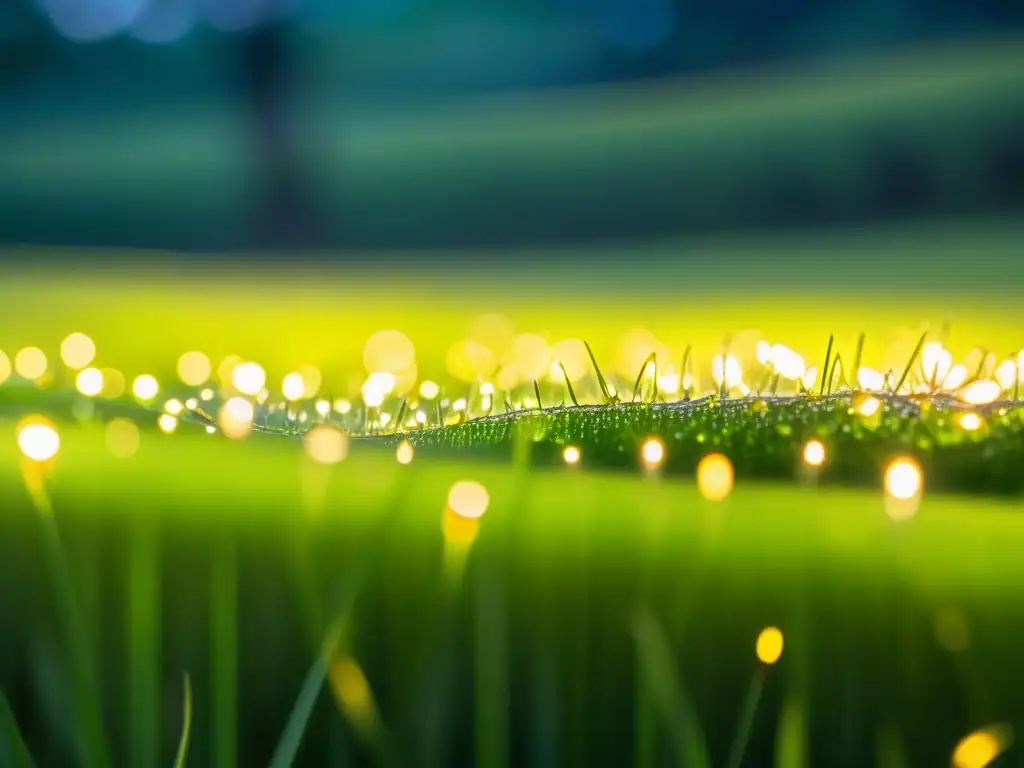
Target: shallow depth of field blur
251,180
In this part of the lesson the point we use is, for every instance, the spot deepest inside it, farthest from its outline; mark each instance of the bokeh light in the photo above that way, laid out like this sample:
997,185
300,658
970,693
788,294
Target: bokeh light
982,747
292,387
5,367
389,351
468,498
652,452
971,421
89,382
903,479
167,423
404,453
236,417
194,368
114,383
77,351
326,445
814,453
145,387
572,455
769,645
122,438
38,439
30,363
980,392
715,477
248,378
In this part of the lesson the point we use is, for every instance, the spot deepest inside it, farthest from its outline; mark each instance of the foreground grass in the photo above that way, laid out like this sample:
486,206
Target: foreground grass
230,560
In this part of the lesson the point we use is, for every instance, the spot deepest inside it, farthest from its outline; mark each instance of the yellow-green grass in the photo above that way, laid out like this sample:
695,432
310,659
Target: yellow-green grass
905,628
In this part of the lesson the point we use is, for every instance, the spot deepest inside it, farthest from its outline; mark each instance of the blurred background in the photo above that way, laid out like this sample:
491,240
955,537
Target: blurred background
369,126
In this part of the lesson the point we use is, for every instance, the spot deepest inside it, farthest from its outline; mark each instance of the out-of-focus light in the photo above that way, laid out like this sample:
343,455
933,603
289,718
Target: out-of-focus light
487,389
145,387
980,392
404,452
194,368
572,455
870,380
210,429
249,378
191,403
5,367
936,362
814,453
956,377
89,382
342,405
1006,374
30,363
38,440
809,378
174,407
122,438
868,406
970,421
323,407
293,388
167,423
236,417
206,394
459,405
89,22
982,747
312,380
389,351
77,351
763,352
769,645
113,383
421,417
715,477
325,445
468,498
652,453
226,368
429,390
726,371
903,482
788,363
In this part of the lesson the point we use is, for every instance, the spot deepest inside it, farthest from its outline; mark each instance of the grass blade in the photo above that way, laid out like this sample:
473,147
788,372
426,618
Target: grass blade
652,358
910,362
144,643
605,392
181,758
739,742
224,656
791,736
858,355
668,694
837,363
568,384
825,368
401,416
683,370
14,749
536,391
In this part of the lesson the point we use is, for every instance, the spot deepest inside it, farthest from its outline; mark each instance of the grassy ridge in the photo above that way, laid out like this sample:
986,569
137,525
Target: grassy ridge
869,608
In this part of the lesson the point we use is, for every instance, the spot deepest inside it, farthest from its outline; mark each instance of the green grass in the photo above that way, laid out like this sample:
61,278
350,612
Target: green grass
857,595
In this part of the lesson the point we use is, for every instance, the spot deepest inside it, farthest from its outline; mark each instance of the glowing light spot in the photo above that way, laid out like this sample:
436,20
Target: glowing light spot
870,380
206,394
312,380
122,438
868,406
769,645
174,407
326,445
351,687
249,378
421,417
1006,374
956,377
323,407
429,390
981,747
980,392
715,477
788,363
210,429
377,387
971,421
226,368
191,403
194,368
572,455
38,440
466,360
487,389
459,405
669,383
814,453
342,406
167,423
404,452
389,351
468,499
652,452
5,367
293,387
810,378
89,382
77,351
145,387
726,371
935,362
903,483
385,419
236,417
30,363
763,352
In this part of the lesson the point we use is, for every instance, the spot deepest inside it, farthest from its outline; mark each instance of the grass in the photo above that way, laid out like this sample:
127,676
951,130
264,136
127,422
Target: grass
573,548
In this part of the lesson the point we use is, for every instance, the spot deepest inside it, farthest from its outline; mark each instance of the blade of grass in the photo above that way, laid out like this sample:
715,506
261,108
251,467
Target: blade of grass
144,644
825,367
401,416
791,736
536,391
605,392
683,371
746,724
858,355
15,751
652,358
224,655
837,363
568,385
181,757
85,690
910,362
668,694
